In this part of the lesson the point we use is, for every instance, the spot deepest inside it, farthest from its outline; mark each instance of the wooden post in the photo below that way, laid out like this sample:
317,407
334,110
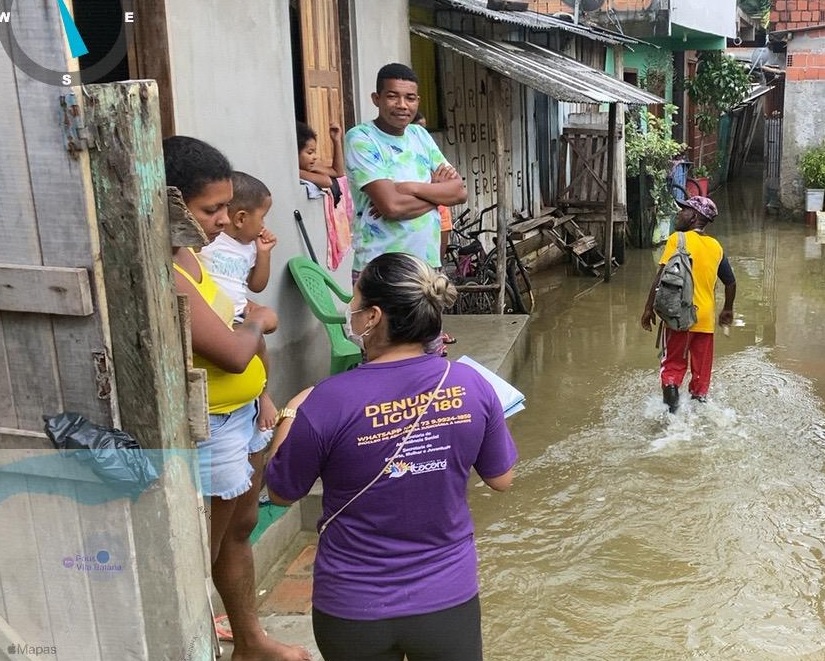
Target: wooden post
131,202
611,166
503,195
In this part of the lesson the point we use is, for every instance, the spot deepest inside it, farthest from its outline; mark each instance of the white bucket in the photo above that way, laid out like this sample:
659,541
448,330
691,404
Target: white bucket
820,226
814,199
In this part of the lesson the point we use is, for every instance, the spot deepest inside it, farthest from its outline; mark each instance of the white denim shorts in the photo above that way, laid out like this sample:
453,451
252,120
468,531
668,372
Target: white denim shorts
223,458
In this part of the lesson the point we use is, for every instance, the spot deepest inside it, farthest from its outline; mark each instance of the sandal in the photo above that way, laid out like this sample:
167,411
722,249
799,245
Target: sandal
447,339
222,628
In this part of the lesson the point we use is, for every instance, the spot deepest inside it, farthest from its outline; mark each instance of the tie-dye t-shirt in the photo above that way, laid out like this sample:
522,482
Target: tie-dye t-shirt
371,155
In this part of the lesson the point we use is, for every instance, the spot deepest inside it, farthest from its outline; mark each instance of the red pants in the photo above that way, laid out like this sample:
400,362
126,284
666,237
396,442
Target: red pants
683,349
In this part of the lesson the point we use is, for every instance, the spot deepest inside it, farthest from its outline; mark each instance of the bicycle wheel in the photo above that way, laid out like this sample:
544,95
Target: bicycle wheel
474,297
519,281
518,293
678,193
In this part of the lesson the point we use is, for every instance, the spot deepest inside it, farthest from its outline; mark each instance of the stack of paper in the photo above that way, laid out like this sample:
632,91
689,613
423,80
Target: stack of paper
512,400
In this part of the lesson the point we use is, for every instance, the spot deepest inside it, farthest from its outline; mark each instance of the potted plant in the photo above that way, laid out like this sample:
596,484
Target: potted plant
720,84
701,174
649,152
812,168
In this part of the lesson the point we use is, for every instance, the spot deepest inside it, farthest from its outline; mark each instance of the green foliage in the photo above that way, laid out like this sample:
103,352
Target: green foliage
656,72
720,83
701,171
812,167
649,149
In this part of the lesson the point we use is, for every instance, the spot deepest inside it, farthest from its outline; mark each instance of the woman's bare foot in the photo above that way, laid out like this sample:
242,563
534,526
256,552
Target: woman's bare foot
268,416
271,650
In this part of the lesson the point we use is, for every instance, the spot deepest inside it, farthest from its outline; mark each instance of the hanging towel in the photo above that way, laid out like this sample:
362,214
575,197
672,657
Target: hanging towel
338,217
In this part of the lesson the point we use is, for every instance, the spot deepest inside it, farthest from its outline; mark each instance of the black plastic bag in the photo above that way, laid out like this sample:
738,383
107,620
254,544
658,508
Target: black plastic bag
114,456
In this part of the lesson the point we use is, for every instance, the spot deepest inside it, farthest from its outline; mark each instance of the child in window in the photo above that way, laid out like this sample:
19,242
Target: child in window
323,176
329,183
239,260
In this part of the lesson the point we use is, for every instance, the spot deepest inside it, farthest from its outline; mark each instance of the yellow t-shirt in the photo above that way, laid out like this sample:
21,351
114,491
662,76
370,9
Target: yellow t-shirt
227,392
706,254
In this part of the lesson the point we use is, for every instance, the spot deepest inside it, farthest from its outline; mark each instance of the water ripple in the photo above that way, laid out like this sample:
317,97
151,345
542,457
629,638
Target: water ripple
658,536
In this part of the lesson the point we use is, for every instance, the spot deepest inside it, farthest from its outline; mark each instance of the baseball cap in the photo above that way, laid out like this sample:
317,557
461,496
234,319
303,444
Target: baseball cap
700,204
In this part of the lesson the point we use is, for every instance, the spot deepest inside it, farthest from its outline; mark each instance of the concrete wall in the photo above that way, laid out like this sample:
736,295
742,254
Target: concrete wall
380,35
804,111
232,86
717,17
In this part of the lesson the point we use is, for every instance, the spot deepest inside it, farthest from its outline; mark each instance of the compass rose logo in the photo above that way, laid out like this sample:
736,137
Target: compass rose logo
23,25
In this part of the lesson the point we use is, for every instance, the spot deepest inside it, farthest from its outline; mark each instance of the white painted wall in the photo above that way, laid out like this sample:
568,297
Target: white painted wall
232,86
717,17
381,34
802,124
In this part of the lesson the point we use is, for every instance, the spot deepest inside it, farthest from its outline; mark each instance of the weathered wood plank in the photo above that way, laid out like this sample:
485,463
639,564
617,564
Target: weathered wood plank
583,244
151,371
114,579
60,539
62,207
185,230
518,230
11,640
21,387
23,588
8,416
149,56
134,239
45,290
198,412
36,457
33,367
12,438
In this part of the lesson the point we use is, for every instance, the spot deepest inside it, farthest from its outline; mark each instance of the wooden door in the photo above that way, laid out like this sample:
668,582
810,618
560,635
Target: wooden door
583,167
54,356
78,562
321,49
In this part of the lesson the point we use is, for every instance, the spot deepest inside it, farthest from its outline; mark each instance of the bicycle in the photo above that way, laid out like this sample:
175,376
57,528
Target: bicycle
691,187
474,270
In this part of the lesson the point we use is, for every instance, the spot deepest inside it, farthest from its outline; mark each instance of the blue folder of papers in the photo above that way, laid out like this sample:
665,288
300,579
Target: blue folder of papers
512,400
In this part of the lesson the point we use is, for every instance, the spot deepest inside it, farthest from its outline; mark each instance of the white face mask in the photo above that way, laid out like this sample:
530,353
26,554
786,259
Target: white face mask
352,336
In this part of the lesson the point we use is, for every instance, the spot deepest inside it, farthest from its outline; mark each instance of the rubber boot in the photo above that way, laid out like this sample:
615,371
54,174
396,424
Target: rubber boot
670,396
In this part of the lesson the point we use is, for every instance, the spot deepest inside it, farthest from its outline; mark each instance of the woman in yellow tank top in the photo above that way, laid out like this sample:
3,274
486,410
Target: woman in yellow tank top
231,460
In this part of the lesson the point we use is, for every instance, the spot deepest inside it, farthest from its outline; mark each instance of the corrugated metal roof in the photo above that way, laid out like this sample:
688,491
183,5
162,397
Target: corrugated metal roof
537,21
541,69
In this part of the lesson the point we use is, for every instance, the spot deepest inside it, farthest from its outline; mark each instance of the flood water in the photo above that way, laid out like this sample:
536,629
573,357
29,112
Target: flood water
634,534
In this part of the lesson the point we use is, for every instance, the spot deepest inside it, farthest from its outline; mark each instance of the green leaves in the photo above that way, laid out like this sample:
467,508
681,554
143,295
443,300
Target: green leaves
649,149
812,167
720,84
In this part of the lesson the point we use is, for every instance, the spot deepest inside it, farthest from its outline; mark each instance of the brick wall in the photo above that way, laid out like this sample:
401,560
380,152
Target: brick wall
554,6
794,14
805,66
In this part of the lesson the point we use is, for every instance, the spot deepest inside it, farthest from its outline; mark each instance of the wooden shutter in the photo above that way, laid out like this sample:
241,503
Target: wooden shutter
321,47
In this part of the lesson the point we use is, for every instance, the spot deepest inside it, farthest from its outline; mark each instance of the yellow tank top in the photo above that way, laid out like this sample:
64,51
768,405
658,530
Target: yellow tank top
226,391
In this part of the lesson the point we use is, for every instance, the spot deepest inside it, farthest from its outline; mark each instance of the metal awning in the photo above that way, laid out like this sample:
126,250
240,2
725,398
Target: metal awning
546,71
538,21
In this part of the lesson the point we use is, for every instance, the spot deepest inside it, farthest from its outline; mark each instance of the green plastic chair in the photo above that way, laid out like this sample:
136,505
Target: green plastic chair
315,285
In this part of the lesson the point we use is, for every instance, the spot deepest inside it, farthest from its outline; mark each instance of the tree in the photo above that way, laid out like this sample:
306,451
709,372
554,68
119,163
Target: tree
720,84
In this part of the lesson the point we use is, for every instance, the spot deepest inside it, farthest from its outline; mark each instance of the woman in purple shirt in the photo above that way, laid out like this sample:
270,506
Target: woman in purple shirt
393,442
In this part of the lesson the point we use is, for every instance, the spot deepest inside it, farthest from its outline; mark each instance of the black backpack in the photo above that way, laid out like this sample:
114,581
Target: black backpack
673,302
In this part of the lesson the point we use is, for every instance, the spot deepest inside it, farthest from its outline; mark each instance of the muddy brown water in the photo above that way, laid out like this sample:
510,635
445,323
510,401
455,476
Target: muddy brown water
634,534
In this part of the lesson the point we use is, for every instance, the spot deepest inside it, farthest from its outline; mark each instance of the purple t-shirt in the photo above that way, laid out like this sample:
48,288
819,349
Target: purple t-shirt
405,546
